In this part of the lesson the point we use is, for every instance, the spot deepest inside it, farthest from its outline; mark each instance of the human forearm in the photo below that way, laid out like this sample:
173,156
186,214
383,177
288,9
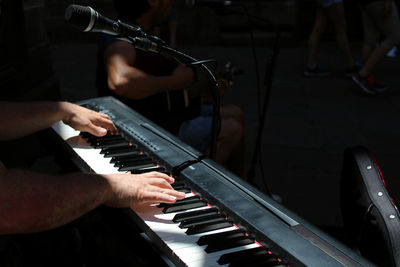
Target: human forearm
135,84
125,79
18,119
22,118
32,202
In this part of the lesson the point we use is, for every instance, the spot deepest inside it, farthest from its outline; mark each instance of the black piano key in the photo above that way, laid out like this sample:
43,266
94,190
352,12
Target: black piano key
183,189
137,156
179,187
113,154
120,152
228,243
86,134
178,184
122,148
117,149
127,154
242,254
185,206
179,202
155,169
110,144
120,144
208,227
110,150
206,239
202,220
138,166
194,214
114,149
104,138
133,162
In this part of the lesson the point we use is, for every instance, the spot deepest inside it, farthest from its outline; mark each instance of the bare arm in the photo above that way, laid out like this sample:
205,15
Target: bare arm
31,202
18,119
132,82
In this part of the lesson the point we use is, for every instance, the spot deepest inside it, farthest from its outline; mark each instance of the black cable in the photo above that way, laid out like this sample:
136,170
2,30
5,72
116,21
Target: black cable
257,153
213,85
257,156
259,97
254,52
203,61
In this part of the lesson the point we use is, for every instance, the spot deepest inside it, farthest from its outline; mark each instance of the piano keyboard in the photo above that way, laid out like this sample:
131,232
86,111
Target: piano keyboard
222,221
204,236
199,234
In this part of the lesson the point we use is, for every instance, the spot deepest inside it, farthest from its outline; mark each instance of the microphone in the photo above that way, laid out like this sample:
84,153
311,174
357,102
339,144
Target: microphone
86,19
208,3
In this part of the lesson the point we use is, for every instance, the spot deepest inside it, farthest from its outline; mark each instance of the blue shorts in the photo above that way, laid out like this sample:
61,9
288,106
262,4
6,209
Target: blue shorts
328,3
197,132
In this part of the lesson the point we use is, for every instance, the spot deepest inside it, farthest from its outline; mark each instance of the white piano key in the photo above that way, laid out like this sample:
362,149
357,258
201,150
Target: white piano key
184,246
90,155
196,256
179,241
173,236
170,216
152,212
189,195
95,160
162,223
64,131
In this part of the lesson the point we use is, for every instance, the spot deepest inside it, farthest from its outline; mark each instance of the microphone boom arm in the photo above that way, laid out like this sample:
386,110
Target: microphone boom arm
86,19
146,44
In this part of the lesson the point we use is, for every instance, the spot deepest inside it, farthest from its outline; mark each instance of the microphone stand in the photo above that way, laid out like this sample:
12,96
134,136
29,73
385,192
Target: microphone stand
167,51
269,72
77,14
268,78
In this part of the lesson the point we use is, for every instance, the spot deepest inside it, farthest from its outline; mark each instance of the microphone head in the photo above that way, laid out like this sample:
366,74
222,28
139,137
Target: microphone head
79,16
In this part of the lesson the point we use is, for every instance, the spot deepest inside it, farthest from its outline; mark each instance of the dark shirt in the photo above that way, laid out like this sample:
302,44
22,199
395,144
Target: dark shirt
166,109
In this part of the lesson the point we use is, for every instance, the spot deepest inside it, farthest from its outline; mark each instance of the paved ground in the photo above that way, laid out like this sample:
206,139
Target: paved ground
310,121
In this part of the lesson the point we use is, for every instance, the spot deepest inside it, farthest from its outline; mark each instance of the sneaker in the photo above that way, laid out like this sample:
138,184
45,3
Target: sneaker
353,70
316,71
392,53
365,84
378,87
